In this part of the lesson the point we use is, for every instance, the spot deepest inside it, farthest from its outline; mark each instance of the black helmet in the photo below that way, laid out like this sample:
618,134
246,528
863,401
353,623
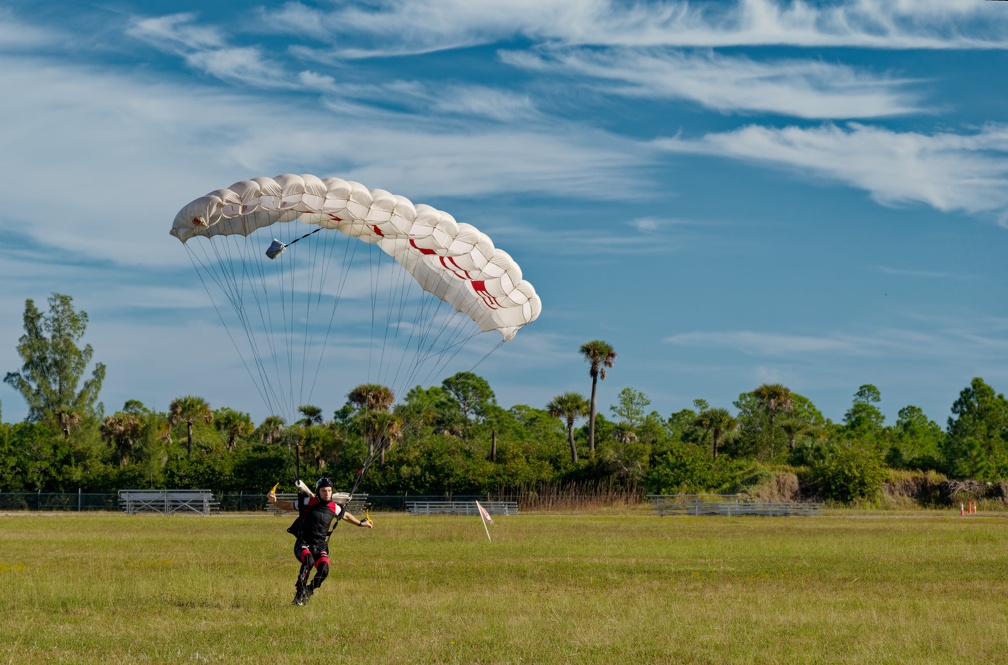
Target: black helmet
322,482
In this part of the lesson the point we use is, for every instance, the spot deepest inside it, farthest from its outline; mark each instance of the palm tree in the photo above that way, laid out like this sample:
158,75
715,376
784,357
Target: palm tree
190,409
232,424
68,420
380,428
371,397
775,398
374,398
624,433
793,428
719,423
271,429
312,415
121,431
599,356
569,407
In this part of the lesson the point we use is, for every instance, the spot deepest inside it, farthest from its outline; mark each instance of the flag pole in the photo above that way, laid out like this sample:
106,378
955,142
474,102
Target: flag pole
484,517
485,528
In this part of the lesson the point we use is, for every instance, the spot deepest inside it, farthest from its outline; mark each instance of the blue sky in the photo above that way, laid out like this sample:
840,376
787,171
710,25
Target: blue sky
730,193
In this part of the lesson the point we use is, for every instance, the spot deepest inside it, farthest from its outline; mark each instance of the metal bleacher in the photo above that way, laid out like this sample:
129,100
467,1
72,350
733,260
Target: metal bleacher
728,505
168,502
420,507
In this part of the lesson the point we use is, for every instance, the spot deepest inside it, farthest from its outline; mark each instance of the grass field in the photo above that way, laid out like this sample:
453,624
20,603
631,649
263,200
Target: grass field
108,588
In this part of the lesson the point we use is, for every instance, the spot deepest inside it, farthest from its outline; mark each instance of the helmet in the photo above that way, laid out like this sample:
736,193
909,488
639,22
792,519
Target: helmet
322,482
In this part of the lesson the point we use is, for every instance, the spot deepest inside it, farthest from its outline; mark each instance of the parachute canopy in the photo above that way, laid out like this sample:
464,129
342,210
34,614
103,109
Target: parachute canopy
454,261
301,269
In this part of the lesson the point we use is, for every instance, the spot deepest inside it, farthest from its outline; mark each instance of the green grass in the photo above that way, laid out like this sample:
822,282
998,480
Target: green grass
550,589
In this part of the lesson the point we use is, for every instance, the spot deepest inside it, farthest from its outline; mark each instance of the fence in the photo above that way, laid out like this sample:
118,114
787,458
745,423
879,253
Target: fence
84,501
51,501
229,502
727,505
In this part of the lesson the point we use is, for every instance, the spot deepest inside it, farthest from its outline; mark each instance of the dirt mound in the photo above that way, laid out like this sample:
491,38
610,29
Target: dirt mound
772,486
924,488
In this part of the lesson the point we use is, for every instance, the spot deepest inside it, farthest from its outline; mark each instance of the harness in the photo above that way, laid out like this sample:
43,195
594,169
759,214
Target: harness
313,520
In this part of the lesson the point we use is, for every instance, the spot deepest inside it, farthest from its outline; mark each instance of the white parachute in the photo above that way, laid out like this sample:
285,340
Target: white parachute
281,296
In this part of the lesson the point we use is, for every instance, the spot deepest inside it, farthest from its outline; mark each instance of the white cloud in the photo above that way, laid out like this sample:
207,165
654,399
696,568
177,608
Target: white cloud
772,344
203,48
483,101
949,172
646,224
799,88
397,27
472,101
88,131
958,342
176,32
17,35
924,274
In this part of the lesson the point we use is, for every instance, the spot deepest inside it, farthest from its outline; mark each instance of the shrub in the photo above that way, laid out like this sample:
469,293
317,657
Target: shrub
689,469
843,472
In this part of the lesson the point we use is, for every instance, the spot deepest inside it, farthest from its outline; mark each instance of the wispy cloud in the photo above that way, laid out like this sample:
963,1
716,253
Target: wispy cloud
924,274
952,339
195,139
761,343
637,237
398,27
204,48
947,171
798,88
449,101
17,35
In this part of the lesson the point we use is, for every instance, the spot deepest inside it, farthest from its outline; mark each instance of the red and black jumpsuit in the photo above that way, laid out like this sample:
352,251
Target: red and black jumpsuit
312,545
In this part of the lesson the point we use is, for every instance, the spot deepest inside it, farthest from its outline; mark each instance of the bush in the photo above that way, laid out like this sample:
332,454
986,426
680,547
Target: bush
688,469
844,472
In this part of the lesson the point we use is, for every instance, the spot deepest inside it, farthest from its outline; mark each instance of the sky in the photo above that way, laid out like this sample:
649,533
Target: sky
729,193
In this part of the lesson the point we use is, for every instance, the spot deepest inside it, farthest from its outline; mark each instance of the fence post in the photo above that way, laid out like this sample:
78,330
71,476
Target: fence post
78,499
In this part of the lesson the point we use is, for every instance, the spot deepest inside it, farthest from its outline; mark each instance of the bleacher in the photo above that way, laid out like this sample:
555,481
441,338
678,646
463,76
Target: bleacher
728,505
422,507
168,502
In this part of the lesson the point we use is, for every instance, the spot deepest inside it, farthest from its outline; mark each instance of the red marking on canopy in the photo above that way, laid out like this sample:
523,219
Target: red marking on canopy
454,267
479,286
374,227
426,252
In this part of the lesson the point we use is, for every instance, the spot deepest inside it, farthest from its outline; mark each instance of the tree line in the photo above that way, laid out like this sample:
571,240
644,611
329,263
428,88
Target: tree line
454,438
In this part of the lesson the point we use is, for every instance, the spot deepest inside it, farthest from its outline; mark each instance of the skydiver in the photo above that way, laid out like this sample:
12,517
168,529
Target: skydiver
311,528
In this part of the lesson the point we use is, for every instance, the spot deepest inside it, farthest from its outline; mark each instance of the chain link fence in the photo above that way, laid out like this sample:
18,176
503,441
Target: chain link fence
81,501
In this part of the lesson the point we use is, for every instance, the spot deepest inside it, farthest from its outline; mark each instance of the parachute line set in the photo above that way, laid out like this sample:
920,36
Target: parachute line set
312,269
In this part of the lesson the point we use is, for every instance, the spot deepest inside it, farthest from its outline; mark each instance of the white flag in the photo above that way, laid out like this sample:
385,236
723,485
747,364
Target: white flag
484,518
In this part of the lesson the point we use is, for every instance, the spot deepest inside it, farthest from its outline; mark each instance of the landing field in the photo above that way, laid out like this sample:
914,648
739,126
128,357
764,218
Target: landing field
105,588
